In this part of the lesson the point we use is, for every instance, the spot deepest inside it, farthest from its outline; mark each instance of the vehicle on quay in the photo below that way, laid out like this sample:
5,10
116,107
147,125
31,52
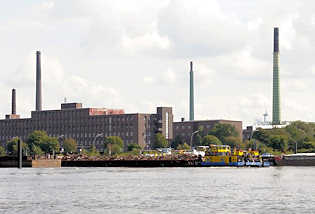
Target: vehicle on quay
200,150
221,155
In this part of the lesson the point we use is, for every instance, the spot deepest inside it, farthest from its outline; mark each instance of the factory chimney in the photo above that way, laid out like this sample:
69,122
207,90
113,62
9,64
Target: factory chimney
38,83
13,101
191,94
276,116
13,114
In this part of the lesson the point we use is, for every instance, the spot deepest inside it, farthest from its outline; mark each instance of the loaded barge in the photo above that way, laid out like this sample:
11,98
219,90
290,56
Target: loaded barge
299,159
214,155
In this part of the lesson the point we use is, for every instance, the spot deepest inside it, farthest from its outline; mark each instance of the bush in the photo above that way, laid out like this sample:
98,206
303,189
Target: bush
232,141
70,145
133,147
113,145
2,151
210,139
160,141
184,146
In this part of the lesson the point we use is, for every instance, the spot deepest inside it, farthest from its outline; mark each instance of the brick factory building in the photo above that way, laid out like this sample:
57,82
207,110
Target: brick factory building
87,126
91,125
185,129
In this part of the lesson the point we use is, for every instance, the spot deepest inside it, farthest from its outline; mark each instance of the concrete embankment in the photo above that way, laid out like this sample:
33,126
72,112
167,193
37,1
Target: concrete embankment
12,162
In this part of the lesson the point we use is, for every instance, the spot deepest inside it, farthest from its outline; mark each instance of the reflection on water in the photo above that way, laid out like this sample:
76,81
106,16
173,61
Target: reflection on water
158,190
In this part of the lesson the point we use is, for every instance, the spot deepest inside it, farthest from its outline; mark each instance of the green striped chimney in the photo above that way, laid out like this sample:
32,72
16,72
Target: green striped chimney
191,94
276,117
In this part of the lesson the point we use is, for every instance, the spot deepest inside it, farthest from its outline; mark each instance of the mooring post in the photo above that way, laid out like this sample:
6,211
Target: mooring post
20,154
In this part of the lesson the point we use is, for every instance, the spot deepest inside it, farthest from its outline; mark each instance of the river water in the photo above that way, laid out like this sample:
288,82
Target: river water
158,190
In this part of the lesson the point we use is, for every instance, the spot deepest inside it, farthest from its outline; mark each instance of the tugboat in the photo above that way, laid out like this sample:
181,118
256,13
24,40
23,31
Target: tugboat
221,155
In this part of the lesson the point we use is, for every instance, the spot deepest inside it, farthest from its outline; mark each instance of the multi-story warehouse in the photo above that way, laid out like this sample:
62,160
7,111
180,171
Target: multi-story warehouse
87,126
91,125
186,129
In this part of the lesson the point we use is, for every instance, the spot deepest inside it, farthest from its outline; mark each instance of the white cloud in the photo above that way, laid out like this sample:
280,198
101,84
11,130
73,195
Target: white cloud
135,55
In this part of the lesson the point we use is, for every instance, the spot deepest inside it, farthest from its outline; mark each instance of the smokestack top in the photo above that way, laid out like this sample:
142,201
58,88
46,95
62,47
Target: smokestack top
13,101
191,66
38,82
276,39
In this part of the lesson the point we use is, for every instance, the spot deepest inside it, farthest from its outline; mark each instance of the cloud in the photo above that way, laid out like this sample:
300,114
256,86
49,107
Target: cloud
199,28
135,55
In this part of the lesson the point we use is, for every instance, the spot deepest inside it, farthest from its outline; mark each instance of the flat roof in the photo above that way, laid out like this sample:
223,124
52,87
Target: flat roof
196,121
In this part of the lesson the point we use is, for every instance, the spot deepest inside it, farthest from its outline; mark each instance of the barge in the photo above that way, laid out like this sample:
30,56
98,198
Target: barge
299,159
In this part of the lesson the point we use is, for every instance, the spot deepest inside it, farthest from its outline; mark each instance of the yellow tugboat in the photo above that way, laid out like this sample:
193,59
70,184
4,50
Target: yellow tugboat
221,155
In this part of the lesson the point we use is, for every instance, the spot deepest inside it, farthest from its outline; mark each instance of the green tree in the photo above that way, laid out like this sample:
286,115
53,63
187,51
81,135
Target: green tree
183,146
279,142
50,144
178,140
2,151
93,151
160,141
285,139
36,150
232,141
197,139
70,145
113,145
133,147
221,131
12,146
210,139
116,149
39,142
36,138
262,135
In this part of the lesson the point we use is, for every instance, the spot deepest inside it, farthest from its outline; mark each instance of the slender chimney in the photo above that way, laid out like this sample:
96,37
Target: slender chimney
13,101
276,114
191,95
38,83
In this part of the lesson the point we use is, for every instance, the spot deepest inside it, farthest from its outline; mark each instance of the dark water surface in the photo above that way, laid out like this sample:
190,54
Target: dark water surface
158,190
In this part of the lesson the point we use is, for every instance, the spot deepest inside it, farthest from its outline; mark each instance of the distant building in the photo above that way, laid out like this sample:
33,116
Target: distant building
90,126
185,129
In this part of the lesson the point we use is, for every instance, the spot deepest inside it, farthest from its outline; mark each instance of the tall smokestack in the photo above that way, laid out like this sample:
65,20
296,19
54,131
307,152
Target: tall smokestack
13,101
276,116
38,83
191,94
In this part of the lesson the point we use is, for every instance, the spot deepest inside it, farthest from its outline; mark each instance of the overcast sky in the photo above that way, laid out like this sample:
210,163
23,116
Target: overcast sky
135,55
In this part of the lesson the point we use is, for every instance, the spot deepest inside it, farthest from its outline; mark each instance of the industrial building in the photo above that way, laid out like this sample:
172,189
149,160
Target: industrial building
91,125
87,126
187,129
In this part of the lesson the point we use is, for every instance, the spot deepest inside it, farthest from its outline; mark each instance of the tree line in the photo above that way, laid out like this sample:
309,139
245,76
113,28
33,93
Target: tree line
298,135
39,143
